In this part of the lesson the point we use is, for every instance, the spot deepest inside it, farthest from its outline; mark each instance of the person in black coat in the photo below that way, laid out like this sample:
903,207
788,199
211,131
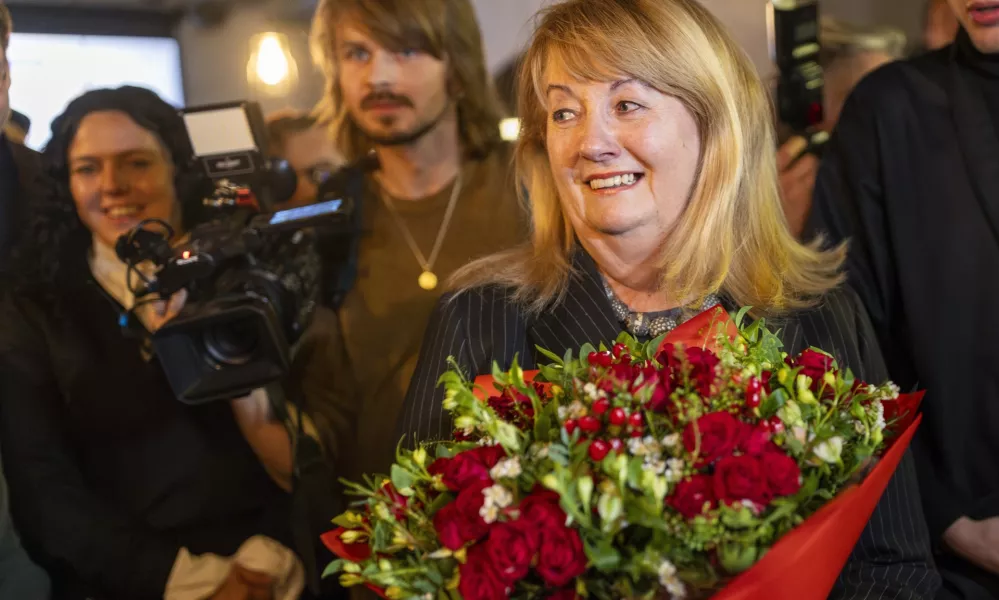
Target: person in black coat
650,169
118,488
910,177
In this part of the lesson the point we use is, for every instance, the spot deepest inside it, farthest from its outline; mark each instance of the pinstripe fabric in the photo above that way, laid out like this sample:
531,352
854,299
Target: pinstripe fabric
891,560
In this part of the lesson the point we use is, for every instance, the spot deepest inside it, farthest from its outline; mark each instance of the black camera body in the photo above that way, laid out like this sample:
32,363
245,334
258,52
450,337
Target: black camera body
793,28
253,277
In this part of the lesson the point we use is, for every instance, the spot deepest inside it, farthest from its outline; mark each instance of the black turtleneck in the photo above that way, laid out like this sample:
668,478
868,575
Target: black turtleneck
984,69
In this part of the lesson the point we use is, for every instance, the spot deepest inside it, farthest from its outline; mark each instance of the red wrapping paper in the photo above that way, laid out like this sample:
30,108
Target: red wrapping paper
805,563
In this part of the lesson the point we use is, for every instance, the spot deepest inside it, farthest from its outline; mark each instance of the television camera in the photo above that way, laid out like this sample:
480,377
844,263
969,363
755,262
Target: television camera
252,275
793,32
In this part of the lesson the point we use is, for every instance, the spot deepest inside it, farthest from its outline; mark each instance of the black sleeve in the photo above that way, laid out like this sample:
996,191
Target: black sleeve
64,523
893,557
848,205
321,369
474,328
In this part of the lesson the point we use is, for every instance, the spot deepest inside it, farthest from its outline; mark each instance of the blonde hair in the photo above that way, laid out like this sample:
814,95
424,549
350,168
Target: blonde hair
842,39
446,29
732,236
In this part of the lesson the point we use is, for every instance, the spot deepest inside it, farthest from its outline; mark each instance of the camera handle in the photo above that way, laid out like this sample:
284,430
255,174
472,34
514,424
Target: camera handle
315,500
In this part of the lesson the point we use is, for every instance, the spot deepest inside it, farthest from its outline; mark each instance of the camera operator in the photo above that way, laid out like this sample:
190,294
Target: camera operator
407,81
296,137
849,52
20,169
121,490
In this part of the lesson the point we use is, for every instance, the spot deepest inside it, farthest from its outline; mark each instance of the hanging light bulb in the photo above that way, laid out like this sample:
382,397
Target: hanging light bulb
271,66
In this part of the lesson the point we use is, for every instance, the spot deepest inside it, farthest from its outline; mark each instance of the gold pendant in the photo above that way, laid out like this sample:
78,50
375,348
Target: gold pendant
428,280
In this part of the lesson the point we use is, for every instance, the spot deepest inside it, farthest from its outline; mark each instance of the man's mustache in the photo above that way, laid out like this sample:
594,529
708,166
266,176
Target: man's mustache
374,98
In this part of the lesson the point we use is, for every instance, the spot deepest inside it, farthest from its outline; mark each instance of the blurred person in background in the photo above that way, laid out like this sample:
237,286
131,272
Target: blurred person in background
20,168
119,489
19,576
17,127
849,53
407,81
910,179
940,26
296,137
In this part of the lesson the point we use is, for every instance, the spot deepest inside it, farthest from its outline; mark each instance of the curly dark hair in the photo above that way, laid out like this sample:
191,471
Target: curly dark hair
54,233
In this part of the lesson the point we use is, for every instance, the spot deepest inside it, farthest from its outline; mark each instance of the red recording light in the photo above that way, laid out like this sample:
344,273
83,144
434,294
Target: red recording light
815,113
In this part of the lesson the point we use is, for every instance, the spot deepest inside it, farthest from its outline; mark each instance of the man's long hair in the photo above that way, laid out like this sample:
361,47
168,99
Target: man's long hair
445,29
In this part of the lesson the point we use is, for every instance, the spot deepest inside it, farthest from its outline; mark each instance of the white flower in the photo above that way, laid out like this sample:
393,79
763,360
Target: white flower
859,427
489,513
669,580
590,390
506,469
880,412
572,411
674,469
636,446
655,464
486,441
539,451
671,440
498,495
829,450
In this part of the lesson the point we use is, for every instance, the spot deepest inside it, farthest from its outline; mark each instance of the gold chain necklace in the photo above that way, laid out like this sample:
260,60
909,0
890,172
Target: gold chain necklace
427,279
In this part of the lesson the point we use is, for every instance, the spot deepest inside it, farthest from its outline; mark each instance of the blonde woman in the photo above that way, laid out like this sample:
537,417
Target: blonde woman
647,155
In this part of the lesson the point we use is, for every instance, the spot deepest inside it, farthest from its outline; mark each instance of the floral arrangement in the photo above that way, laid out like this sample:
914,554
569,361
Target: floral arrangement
656,470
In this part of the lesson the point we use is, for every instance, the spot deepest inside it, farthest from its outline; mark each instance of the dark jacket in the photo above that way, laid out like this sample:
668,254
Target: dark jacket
109,473
892,558
911,178
20,181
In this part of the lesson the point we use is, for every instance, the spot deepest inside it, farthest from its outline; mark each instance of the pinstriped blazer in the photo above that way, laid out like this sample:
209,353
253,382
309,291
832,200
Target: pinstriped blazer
893,557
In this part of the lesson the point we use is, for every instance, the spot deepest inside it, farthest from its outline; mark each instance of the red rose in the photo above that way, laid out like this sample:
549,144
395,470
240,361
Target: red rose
691,495
782,473
478,579
469,503
719,432
564,594
439,466
814,364
740,478
756,440
511,549
667,358
463,470
659,401
489,455
561,558
702,368
448,525
540,511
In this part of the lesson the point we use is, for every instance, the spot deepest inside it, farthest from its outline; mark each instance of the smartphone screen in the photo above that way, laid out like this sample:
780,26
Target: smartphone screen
306,212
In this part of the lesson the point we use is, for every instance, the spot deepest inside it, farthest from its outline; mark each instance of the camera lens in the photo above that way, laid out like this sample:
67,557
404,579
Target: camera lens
232,343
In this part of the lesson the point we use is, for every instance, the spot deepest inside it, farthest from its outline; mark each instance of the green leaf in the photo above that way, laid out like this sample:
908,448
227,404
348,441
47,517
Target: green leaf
585,351
773,402
435,577
752,333
652,347
439,502
585,485
568,356
383,535
333,568
635,470
603,554
741,315
401,478
347,520
550,355
542,426
550,373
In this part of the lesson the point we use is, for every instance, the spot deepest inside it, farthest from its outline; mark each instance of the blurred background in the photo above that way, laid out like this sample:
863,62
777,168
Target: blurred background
196,52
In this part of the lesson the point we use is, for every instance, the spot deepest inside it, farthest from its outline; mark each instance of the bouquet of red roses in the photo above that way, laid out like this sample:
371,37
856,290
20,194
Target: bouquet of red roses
664,469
